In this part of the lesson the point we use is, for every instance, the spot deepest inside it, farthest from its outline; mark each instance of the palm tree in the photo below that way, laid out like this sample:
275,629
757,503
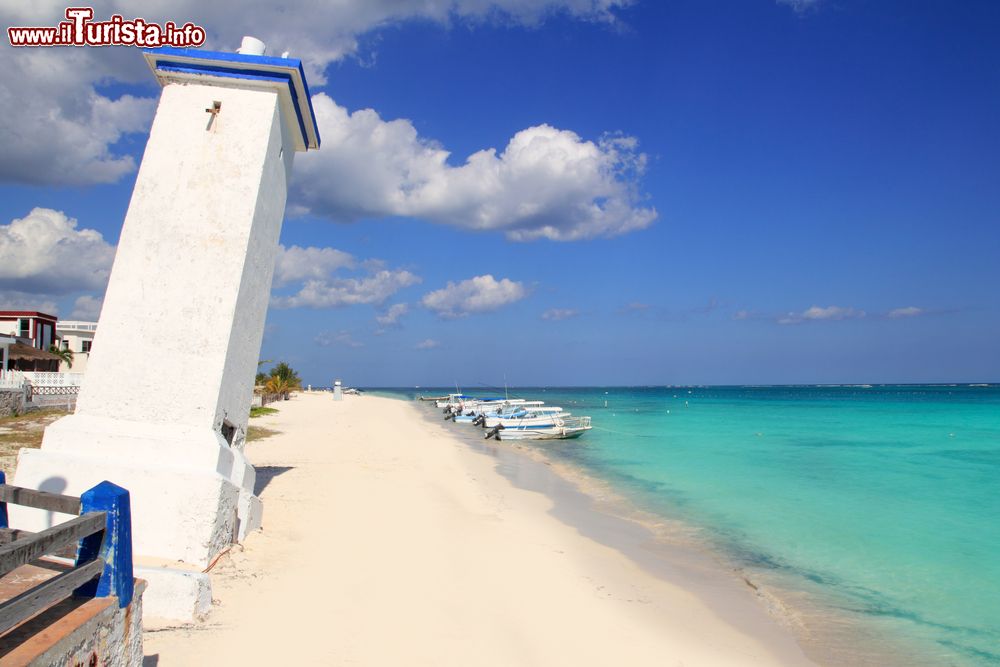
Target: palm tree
286,373
64,353
277,385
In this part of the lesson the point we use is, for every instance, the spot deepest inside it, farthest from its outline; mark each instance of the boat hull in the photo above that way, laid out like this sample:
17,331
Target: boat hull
554,433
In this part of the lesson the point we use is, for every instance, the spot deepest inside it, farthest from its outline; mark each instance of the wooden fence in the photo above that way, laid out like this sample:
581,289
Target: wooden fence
101,534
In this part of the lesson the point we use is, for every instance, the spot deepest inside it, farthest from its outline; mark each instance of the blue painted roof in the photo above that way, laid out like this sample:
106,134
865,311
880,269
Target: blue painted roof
286,74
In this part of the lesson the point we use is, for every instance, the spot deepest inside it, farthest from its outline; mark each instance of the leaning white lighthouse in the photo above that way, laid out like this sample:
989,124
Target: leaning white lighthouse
164,406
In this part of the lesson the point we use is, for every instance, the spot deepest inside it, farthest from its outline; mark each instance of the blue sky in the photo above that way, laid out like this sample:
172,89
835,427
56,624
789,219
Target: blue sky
786,191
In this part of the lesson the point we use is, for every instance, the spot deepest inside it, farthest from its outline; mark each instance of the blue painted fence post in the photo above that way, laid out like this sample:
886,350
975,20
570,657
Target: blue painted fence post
3,506
114,546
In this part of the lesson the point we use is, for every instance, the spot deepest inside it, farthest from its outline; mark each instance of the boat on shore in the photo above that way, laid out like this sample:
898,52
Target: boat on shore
512,419
564,428
521,416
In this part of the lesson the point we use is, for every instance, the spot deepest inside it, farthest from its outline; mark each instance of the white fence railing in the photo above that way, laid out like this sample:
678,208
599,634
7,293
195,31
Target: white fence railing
17,379
45,379
11,380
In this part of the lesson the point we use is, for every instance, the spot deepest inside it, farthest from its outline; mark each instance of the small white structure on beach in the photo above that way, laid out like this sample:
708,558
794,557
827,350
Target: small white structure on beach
338,391
190,284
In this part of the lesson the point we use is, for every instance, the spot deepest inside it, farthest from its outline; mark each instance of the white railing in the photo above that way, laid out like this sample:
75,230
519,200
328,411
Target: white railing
11,380
40,379
67,325
46,379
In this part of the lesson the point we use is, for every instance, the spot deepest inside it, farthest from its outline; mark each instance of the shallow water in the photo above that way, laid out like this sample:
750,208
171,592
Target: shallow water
880,502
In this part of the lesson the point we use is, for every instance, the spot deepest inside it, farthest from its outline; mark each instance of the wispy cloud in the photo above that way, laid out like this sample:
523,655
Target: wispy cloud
557,314
800,6
908,311
334,338
390,318
427,344
634,307
476,295
87,307
744,315
818,313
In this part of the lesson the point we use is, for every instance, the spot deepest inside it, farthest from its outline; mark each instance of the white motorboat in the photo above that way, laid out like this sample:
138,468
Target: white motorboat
519,415
565,428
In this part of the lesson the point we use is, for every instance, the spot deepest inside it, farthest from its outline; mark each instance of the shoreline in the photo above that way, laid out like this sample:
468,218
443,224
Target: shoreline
667,548
825,628
431,544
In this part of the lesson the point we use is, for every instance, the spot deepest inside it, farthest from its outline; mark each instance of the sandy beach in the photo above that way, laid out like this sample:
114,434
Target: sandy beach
388,540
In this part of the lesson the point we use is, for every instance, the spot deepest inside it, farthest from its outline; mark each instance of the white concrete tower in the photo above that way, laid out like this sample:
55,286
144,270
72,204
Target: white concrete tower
164,406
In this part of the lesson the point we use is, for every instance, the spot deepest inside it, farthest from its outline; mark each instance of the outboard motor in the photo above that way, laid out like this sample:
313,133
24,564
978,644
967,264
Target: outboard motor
493,432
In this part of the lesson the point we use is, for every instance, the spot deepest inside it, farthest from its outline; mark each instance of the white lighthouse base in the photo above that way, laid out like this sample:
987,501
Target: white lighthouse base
181,595
191,494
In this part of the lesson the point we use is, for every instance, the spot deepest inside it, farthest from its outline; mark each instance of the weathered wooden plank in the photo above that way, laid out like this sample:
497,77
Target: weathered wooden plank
34,600
27,549
8,535
42,500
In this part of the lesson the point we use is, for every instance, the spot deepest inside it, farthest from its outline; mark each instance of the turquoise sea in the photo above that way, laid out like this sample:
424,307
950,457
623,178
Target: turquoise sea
879,505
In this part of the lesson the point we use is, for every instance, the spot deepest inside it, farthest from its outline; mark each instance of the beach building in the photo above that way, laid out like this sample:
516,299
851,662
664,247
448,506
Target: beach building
30,327
21,357
78,337
32,333
5,343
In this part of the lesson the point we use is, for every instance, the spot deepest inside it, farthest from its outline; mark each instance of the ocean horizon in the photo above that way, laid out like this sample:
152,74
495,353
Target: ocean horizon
868,510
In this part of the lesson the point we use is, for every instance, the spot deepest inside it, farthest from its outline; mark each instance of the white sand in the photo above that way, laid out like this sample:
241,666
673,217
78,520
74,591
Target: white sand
390,542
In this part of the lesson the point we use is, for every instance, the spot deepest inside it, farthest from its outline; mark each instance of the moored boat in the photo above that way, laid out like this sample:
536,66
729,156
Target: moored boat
565,428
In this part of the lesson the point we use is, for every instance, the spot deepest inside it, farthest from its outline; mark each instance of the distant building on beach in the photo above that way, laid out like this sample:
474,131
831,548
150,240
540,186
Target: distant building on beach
79,338
30,327
5,343
32,333
33,329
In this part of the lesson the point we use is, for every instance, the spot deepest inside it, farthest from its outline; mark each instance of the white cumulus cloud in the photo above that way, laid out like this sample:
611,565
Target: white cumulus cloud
475,295
546,183
59,128
330,293
45,253
427,344
297,263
